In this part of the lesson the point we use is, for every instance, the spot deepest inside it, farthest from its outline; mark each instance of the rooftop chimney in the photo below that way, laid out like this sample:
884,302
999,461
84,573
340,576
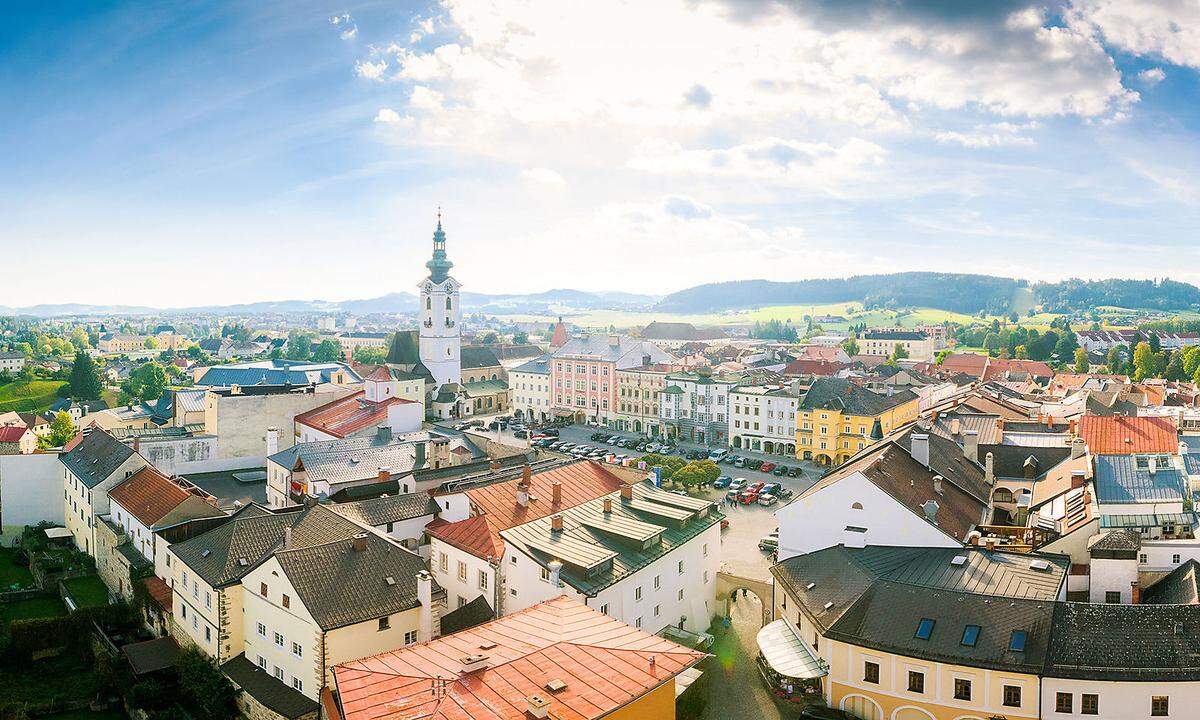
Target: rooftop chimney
359,542
989,469
1071,426
626,492
1078,448
607,506
522,494
384,434
920,448
1078,479
137,443
937,484
556,492
1135,592
555,567
494,466
471,663
425,597
527,474
990,544
385,474
287,537
537,707
971,445
556,525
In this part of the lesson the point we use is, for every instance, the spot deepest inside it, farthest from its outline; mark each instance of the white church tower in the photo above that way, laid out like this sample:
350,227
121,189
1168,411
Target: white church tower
441,340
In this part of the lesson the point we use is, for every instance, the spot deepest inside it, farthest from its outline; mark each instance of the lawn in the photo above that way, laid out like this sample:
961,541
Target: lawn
87,591
13,576
62,679
29,395
39,607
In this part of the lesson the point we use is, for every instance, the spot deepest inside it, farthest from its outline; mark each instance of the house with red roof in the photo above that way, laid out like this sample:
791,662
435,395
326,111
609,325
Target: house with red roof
1121,435
558,659
17,440
361,413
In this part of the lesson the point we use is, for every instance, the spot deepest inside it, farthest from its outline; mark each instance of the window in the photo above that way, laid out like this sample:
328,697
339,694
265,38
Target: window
385,622
1112,597
410,637
545,575
287,601
278,673
871,672
637,623
262,630
483,580
1160,706
604,609
680,567
444,562
462,570
297,650
1142,558
1175,558
656,609
262,589
962,689
1016,641
916,681
207,633
1089,704
681,593
1064,702
970,636
704,550
279,639
924,629
208,600
1012,696
262,662
657,582
298,684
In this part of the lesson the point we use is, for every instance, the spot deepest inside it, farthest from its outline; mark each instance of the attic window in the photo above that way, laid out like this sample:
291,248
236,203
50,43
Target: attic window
1041,565
1016,641
970,636
924,629
958,560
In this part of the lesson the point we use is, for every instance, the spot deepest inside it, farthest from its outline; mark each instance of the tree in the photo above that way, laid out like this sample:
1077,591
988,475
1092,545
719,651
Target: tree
299,345
520,337
84,381
368,355
62,429
1174,369
1191,359
487,338
1021,353
851,347
1143,361
991,342
669,463
150,343
1114,358
275,354
327,351
1081,361
696,474
1154,342
147,382
899,352
941,356
208,693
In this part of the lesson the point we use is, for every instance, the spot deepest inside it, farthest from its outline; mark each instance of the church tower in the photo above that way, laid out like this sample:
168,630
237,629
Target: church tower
441,340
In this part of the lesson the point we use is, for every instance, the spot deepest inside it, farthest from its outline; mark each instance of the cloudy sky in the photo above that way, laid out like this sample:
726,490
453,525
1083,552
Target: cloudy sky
191,153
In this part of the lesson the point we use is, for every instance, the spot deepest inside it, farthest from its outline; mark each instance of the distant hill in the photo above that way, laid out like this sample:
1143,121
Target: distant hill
945,291
1077,294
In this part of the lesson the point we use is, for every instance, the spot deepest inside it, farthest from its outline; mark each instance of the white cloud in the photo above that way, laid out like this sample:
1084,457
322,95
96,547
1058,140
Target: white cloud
543,176
1169,29
992,135
349,29
387,116
423,29
1152,77
786,161
370,70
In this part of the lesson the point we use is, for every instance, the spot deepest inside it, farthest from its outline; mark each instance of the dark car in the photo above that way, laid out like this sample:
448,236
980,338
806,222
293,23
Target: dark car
795,471
731,459
550,432
521,434
754,464
722,482
779,471
821,712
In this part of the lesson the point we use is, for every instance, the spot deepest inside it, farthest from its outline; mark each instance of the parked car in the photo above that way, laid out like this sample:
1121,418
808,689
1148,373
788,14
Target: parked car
640,447
755,464
521,434
722,482
795,471
750,494
737,484
779,471
612,439
785,493
769,542
772,488
767,466
731,459
740,462
550,432
620,458
767,499
652,448
717,455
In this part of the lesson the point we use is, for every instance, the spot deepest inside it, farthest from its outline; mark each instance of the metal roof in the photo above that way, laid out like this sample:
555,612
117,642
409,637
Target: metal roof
1119,481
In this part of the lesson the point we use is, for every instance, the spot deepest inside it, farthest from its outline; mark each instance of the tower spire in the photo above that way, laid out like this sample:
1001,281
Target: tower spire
439,265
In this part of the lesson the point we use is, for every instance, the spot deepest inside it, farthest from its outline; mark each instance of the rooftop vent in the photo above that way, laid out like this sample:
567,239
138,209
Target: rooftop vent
390,580
556,685
810,586
471,663
828,604
958,560
205,552
487,645
243,562
1039,564
537,707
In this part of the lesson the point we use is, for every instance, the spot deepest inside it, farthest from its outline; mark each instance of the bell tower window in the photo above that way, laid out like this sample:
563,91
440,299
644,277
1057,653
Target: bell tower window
428,303
449,304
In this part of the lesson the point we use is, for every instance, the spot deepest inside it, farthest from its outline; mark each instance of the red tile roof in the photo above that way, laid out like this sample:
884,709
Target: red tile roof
497,505
148,495
809,366
160,593
12,433
342,418
969,363
604,663
1119,435
1035,368
380,373
820,352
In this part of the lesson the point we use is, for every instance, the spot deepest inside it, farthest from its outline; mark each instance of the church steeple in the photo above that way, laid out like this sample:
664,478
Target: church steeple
439,265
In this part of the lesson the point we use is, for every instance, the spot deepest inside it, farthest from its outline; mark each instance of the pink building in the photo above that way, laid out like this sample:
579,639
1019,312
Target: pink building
583,374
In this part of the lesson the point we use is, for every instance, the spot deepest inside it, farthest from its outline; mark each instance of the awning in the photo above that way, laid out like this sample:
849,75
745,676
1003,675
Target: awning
787,654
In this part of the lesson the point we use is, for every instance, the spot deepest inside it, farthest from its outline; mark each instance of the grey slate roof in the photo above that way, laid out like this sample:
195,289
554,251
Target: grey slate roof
476,612
876,597
1009,460
477,356
539,365
405,348
267,690
1125,642
840,394
354,458
97,456
341,586
1181,586
1118,480
380,511
274,372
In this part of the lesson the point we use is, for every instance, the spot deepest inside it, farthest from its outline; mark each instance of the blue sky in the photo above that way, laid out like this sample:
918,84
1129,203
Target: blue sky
193,153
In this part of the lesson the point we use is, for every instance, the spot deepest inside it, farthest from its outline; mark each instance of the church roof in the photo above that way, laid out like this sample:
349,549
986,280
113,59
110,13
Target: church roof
406,348
439,265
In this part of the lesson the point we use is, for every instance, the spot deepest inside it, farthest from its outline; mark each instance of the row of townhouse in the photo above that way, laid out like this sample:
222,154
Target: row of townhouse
583,374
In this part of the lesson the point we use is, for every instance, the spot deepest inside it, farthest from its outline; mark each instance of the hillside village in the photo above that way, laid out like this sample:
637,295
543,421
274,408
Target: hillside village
467,518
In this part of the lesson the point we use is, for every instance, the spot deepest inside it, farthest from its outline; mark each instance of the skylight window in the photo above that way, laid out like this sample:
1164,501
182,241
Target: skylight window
970,635
1016,641
924,629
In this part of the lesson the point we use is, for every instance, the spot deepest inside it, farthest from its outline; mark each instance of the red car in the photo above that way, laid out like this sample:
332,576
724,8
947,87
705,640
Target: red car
767,467
750,494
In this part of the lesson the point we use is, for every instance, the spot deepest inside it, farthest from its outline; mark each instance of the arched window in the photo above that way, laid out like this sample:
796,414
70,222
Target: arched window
428,303
856,506
449,304
1002,495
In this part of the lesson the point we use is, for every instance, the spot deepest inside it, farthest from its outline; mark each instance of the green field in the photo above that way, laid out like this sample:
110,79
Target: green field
87,591
852,311
38,607
13,576
29,395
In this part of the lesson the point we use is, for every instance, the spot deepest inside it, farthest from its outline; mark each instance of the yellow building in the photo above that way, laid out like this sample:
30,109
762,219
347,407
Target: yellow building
836,419
891,633
93,465
540,662
638,389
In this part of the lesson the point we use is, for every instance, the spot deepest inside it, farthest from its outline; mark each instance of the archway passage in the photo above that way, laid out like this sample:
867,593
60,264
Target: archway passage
729,585
861,706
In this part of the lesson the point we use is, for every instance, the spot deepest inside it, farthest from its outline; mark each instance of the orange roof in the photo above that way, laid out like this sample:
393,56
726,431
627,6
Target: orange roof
472,535
604,663
342,418
160,593
1119,435
560,336
997,367
809,366
969,363
820,352
380,373
148,495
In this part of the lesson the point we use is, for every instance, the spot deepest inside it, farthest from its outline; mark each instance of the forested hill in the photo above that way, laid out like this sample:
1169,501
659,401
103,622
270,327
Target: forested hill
946,291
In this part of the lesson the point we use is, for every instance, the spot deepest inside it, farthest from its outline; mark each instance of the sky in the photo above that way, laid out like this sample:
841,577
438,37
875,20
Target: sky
175,154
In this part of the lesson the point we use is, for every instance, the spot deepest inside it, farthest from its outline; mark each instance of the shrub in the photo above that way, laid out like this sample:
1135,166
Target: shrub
207,692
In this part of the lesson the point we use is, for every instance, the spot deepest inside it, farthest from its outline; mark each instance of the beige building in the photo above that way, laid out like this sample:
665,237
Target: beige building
240,416
92,465
638,390
919,345
530,387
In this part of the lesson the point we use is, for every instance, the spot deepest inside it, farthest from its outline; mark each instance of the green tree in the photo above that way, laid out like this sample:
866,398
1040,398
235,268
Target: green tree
204,688
1191,360
899,352
369,355
1175,369
696,474
1081,360
851,347
1154,342
275,354
327,351
991,342
1143,361
150,343
669,463
1021,353
520,337
84,380
62,429
147,382
299,345
487,338
1114,359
